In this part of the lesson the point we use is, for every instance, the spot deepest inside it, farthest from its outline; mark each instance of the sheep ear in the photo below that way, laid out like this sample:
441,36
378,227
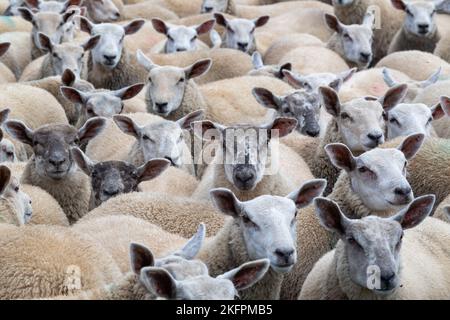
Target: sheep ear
91,43
205,27
159,282
140,257
129,92
307,192
330,100
387,77
330,215
26,13
127,125
83,162
437,112
266,98
193,246
416,212
444,101
45,42
160,26
152,169
20,131
257,60
5,176
144,61
220,19
341,156
225,200
283,126
68,14
134,26
91,129
259,22
248,274
206,129
369,19
68,77
86,25
287,67
333,22
74,95
293,79
4,114
4,46
399,4
346,75
411,145
187,120
198,68
432,79
393,96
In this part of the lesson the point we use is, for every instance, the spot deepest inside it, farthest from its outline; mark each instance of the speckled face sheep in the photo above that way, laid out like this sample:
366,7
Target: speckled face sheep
181,38
420,16
414,87
352,42
240,33
245,148
160,139
373,242
111,178
268,70
15,204
100,103
65,55
361,121
166,85
214,6
302,105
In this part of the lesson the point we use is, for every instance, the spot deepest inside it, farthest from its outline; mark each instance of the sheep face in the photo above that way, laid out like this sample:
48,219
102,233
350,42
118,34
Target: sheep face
11,192
372,244
102,10
49,23
51,144
378,176
214,6
302,105
162,139
111,178
240,33
420,16
405,119
268,223
7,150
181,38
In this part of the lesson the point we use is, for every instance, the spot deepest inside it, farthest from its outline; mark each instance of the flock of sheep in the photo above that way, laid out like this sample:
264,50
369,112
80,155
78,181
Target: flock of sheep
222,149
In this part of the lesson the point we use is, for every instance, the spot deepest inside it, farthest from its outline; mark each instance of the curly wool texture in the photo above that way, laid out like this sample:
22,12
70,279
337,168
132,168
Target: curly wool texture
72,192
313,240
227,250
424,269
405,40
37,262
176,215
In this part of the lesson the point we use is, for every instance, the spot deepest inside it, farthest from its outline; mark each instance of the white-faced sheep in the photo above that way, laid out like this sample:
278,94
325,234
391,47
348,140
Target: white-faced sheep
373,184
52,167
419,31
378,258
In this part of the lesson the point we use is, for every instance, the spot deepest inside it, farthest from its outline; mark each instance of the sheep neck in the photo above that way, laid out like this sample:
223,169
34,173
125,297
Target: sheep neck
8,212
227,250
413,41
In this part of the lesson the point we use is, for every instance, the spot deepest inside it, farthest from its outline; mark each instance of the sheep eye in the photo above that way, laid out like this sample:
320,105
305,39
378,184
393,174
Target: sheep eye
352,241
363,169
181,80
170,38
347,37
55,55
180,138
394,121
248,222
16,189
408,12
429,120
146,137
194,38
150,80
345,115
230,30
253,30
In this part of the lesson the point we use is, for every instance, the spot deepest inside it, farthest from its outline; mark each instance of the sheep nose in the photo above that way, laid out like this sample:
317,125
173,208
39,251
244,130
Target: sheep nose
284,254
375,137
365,57
207,9
109,57
181,49
161,107
388,278
112,191
423,28
242,46
117,15
312,133
57,160
405,191
245,175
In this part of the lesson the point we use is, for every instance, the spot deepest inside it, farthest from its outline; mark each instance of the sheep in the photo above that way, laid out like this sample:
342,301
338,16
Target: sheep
52,168
180,38
63,262
359,124
6,74
257,166
111,178
100,103
171,91
18,55
51,6
414,87
259,69
419,31
412,270
146,11
352,42
359,196
110,66
220,67
7,148
239,33
429,97
389,21
243,236
425,64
